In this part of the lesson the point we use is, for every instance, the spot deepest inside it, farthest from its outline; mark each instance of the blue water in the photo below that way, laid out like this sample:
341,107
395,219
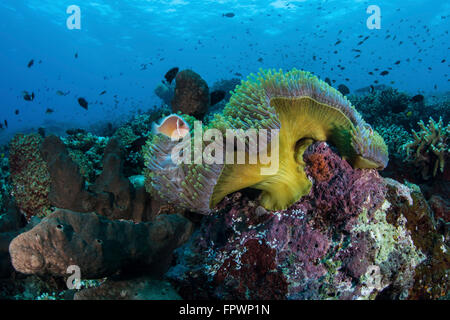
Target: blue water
118,37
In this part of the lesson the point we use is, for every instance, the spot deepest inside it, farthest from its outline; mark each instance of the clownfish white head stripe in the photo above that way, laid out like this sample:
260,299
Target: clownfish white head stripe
172,126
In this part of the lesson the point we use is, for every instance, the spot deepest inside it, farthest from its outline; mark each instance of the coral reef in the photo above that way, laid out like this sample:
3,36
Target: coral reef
30,179
430,148
383,108
33,287
110,194
338,242
11,224
327,225
431,276
86,150
395,137
191,94
135,289
116,197
393,101
440,207
165,92
226,86
5,188
67,187
270,100
132,136
100,247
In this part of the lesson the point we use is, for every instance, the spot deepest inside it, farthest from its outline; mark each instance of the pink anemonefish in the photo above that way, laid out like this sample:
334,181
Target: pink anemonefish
172,126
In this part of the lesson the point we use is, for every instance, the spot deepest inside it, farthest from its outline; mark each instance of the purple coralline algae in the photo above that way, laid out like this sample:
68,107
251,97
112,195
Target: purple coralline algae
335,243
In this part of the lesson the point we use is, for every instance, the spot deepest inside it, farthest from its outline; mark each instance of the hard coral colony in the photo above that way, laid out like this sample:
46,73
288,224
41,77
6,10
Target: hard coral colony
151,164
303,108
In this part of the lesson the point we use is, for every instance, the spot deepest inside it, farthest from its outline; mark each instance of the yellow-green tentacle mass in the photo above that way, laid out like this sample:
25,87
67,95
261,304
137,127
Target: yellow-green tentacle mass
304,109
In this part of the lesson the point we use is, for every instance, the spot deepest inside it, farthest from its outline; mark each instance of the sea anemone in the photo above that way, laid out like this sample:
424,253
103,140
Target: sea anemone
303,109
429,148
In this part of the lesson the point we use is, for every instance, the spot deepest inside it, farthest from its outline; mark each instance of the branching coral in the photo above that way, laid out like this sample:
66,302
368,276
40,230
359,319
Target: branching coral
303,109
430,147
393,101
395,137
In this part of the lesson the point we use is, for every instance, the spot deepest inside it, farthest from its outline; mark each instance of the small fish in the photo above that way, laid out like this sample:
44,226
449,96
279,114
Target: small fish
409,114
102,93
41,132
76,55
16,112
228,15
60,93
49,111
30,64
342,88
171,74
6,123
384,73
260,60
217,96
417,98
27,96
83,103
172,126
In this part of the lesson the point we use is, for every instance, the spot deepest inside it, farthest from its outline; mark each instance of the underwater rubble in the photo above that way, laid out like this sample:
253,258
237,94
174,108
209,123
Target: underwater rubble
355,232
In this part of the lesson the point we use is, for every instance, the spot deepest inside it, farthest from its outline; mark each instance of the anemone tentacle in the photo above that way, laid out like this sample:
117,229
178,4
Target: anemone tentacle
303,109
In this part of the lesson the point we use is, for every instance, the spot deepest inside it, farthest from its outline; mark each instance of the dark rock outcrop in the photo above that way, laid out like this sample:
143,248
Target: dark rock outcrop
12,223
191,94
67,188
112,194
100,247
113,190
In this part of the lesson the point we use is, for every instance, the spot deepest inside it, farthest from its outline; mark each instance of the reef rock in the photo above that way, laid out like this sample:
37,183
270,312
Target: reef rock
12,223
191,94
100,247
112,194
165,92
409,207
135,289
341,241
67,188
113,190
